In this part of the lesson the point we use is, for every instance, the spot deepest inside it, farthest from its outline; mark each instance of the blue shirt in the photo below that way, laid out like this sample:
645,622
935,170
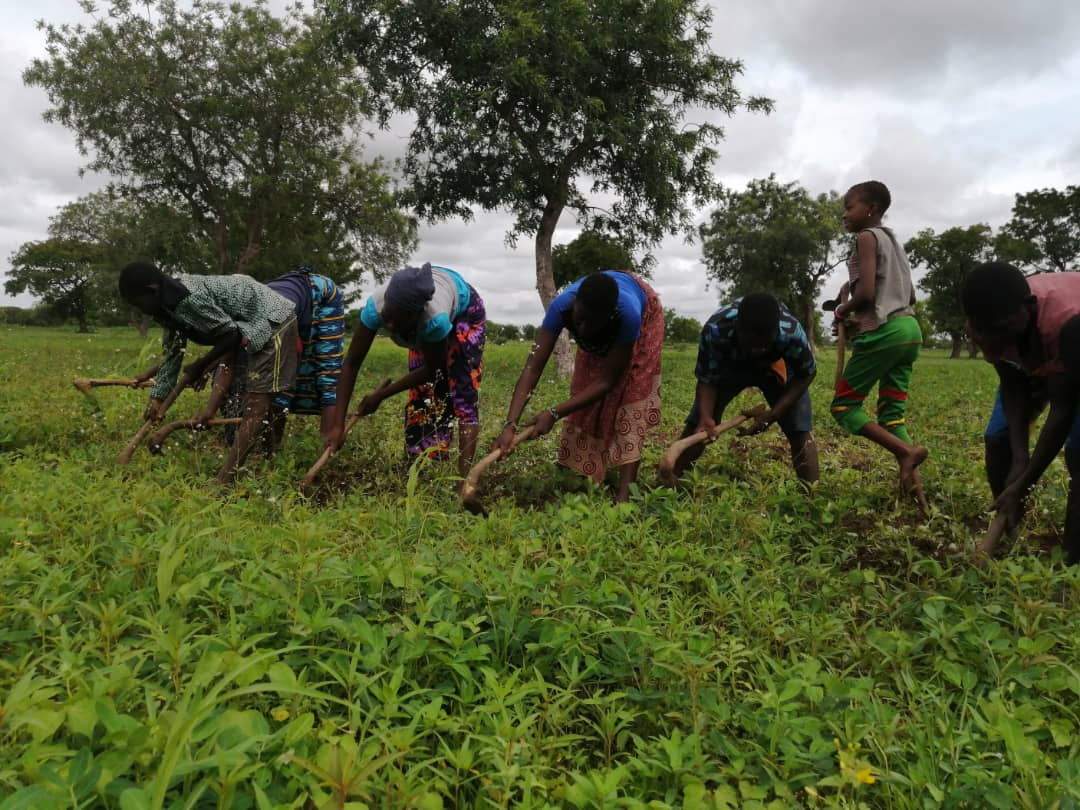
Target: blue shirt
628,310
719,354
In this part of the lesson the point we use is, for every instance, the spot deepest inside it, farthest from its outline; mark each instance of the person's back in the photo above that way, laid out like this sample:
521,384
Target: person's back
894,292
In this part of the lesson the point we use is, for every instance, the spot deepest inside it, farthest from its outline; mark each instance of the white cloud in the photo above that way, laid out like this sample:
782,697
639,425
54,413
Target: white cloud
957,106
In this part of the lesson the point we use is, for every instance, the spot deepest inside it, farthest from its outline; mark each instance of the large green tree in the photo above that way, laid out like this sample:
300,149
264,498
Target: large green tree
777,238
63,273
74,270
948,257
540,108
1044,232
241,118
587,253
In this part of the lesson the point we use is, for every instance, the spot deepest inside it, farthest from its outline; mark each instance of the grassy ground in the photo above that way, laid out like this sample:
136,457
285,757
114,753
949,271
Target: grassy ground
732,644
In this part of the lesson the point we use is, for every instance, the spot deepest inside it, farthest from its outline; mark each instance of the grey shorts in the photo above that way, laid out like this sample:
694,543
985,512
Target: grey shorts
273,368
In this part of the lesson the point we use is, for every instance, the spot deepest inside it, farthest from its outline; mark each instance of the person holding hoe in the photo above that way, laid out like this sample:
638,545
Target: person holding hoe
320,317
434,313
755,342
230,313
1029,329
879,314
618,324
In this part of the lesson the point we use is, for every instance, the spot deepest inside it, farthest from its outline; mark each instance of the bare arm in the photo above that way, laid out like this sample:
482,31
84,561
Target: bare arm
863,297
615,367
434,365
354,359
1063,404
1017,407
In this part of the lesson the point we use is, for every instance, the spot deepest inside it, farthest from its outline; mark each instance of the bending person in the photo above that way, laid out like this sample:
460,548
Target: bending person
1028,328
755,342
231,313
618,323
440,319
320,318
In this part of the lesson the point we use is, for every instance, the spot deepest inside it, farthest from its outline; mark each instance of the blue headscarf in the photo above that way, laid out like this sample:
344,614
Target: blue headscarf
411,288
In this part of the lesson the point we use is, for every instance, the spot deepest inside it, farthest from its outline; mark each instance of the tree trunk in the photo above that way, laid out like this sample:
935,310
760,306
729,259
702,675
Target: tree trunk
957,344
973,349
140,322
545,281
811,319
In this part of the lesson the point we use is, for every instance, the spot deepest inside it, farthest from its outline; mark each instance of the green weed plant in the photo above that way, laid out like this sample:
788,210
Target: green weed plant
730,644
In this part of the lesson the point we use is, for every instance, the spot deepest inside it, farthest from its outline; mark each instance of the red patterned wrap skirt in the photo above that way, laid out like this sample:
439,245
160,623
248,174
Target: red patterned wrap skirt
611,431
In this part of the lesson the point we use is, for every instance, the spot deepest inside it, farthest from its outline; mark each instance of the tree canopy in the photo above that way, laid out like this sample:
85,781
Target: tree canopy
74,270
1044,232
776,238
679,328
587,253
948,257
241,119
540,108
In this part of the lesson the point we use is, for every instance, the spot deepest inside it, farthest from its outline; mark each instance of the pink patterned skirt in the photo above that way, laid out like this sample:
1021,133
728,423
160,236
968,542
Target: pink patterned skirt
611,432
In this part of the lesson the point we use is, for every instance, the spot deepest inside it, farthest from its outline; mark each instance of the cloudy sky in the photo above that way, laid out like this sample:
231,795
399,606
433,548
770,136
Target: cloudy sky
957,105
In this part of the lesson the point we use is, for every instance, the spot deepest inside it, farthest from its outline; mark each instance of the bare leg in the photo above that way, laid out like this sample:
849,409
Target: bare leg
467,435
909,456
804,456
275,434
1072,508
627,476
256,407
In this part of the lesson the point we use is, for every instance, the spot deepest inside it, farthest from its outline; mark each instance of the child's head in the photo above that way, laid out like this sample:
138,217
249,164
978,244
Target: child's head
865,204
406,295
595,306
998,305
140,284
757,325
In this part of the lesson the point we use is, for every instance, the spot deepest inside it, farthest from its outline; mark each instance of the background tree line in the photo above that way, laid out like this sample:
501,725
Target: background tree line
779,238
234,139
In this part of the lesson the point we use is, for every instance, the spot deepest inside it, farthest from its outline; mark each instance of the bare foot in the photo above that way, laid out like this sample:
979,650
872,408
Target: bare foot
910,480
909,465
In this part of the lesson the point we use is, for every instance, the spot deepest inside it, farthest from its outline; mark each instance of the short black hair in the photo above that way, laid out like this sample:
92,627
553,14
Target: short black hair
759,312
599,294
137,278
1069,341
874,192
992,291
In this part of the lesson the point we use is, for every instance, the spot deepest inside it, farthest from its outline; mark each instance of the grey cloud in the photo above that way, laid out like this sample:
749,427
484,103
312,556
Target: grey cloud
911,46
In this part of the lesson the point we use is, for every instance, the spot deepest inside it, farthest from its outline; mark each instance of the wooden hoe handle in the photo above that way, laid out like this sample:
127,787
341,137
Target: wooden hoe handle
136,440
984,549
84,384
667,463
468,488
327,453
162,434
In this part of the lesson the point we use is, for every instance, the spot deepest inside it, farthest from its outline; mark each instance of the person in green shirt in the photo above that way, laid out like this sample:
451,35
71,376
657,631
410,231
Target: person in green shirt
230,313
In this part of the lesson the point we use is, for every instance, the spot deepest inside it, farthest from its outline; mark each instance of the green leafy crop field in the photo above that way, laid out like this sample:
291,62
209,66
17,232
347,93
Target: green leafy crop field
733,643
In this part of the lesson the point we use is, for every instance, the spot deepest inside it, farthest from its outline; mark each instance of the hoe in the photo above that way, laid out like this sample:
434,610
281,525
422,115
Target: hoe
84,384
159,437
667,463
469,497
